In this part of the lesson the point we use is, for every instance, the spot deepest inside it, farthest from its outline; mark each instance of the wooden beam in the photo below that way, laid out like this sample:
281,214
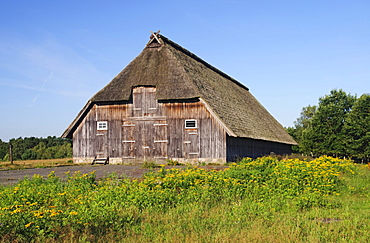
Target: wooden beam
155,36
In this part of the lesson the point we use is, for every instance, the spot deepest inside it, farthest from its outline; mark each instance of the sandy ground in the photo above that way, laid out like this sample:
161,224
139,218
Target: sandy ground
130,171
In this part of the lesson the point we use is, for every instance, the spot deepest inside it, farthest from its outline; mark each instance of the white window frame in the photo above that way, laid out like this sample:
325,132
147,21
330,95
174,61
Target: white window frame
191,120
102,125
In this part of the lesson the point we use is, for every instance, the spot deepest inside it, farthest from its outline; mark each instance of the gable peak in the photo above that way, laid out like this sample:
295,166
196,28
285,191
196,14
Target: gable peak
155,40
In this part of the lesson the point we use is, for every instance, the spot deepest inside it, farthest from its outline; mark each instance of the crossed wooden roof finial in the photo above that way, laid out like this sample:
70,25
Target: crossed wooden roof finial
154,36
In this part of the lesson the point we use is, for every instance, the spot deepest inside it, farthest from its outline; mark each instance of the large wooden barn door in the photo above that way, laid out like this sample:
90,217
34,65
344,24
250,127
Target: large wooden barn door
145,133
144,139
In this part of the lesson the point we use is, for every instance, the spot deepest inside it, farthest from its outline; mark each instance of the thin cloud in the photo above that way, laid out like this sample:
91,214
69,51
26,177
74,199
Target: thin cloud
46,80
67,93
34,101
48,66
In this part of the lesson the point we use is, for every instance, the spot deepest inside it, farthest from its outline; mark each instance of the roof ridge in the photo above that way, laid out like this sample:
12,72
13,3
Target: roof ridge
195,57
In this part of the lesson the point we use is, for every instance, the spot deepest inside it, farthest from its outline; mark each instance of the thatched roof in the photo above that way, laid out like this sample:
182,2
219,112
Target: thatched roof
179,74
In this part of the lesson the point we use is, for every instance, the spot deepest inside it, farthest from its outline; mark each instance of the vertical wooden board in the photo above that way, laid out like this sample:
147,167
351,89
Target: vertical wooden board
151,102
111,136
145,102
137,97
77,138
129,112
142,136
86,136
177,135
128,139
92,136
91,129
100,113
114,139
160,142
222,141
195,145
76,142
138,137
205,138
116,112
149,139
86,139
171,139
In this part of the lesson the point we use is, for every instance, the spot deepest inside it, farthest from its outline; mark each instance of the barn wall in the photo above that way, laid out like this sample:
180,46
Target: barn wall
246,147
207,142
150,130
164,131
89,142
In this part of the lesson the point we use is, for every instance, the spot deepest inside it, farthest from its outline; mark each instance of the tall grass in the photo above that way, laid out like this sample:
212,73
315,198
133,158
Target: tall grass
262,200
25,164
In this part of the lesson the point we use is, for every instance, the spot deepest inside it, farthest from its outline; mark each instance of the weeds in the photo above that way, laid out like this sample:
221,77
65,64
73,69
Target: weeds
266,199
173,162
150,164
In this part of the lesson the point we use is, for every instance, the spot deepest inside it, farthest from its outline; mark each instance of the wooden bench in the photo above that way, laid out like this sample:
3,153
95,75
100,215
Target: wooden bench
100,160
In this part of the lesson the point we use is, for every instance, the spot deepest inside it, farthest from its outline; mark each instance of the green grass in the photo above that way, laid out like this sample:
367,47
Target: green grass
263,200
25,164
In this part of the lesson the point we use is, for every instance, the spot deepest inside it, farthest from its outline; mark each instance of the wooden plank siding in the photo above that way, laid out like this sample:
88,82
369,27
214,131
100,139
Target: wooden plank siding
151,130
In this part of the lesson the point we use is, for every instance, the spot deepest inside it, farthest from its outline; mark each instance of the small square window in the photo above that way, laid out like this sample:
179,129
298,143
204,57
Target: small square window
189,124
102,125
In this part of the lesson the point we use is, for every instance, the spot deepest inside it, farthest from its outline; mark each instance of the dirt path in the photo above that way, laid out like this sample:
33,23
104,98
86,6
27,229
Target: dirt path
131,171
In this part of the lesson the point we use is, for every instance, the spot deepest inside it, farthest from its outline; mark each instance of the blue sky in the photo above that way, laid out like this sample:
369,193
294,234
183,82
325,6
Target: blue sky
55,55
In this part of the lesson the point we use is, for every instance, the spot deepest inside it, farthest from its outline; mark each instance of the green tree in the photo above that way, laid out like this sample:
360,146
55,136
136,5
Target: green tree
357,129
4,149
41,151
302,123
37,148
63,151
325,134
18,148
29,154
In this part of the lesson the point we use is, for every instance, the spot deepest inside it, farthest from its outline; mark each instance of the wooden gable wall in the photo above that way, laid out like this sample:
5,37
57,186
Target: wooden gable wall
151,130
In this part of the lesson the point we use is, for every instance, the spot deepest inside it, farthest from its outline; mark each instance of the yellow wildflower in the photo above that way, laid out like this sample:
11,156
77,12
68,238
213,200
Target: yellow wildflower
29,224
54,214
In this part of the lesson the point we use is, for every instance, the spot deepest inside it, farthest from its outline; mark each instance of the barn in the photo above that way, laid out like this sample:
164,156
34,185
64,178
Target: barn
170,104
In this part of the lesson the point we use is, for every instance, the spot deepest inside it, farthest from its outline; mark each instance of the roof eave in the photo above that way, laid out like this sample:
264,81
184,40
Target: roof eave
68,133
208,107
